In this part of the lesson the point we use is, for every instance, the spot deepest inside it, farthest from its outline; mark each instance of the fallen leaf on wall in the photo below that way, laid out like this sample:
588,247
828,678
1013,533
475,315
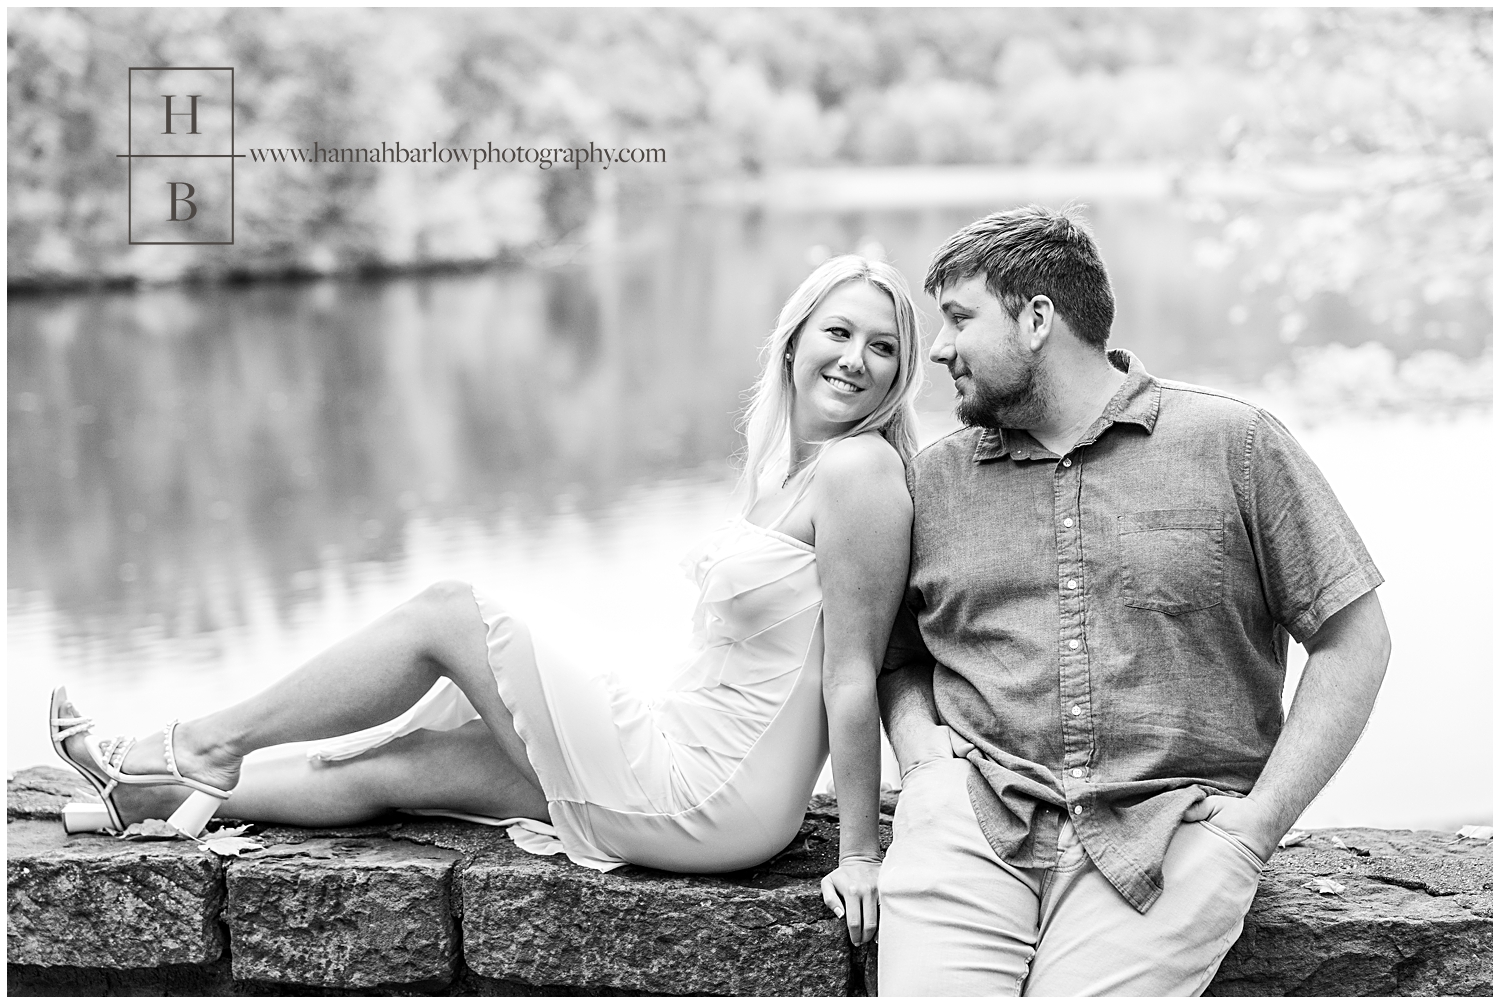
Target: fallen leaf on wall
228,831
231,847
151,829
1324,886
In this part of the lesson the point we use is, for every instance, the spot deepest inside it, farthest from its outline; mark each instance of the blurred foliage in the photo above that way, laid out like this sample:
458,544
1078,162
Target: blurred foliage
1400,98
1400,105
1336,381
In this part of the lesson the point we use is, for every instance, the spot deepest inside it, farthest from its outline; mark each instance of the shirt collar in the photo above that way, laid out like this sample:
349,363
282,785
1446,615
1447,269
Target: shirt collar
1137,402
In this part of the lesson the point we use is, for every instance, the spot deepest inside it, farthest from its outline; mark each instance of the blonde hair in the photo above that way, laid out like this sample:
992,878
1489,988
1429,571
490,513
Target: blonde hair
767,419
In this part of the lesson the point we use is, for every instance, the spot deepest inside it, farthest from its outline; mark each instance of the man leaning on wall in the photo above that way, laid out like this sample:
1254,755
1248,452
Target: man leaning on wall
1084,686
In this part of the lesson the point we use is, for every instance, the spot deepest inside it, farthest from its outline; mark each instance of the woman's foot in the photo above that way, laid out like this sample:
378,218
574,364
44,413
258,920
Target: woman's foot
195,758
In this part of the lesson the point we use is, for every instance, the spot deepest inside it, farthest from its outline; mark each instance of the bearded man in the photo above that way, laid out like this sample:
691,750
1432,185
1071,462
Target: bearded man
1084,688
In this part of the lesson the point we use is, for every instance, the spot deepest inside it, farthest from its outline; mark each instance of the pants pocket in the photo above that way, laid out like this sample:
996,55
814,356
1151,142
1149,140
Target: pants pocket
920,764
1235,842
927,795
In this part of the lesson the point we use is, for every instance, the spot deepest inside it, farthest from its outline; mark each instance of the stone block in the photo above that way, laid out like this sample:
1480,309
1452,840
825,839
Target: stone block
379,908
543,921
94,901
41,792
210,980
344,913
1414,919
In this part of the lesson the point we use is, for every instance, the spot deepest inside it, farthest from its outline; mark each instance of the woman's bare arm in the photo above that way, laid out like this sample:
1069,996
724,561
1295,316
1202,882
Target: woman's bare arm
862,522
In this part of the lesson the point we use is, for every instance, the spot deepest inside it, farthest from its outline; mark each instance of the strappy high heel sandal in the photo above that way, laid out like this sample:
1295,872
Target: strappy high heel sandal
108,758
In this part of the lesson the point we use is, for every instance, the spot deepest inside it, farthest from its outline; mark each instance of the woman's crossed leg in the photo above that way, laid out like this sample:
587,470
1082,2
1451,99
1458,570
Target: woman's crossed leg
366,679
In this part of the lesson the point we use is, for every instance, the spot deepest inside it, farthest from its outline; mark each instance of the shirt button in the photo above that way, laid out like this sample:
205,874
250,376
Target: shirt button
1068,521
1077,710
1077,810
1067,462
1072,583
1073,643
1076,772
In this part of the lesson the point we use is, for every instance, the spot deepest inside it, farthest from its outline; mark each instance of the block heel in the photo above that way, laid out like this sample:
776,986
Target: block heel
193,815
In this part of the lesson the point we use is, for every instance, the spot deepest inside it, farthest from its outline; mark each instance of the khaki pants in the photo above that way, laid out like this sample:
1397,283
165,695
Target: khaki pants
955,920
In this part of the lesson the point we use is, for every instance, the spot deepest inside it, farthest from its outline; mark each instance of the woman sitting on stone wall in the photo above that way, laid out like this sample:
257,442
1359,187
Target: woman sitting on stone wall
442,704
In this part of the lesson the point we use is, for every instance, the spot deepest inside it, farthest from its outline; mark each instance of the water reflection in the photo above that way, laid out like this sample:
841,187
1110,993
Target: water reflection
168,440
208,484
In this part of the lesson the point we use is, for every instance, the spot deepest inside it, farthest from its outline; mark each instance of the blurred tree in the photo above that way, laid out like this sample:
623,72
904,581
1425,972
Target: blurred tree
1399,100
1397,110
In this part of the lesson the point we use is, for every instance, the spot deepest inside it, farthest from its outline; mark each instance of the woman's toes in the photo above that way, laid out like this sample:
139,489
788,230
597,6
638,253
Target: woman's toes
77,747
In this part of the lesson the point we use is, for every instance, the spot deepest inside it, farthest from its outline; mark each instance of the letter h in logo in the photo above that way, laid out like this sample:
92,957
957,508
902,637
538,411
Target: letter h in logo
181,155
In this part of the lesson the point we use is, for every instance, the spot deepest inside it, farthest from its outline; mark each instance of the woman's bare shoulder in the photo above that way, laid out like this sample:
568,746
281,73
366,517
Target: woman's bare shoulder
866,462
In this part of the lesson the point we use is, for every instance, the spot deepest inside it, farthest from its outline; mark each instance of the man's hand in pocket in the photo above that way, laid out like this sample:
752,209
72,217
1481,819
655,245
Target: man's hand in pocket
936,743
1242,818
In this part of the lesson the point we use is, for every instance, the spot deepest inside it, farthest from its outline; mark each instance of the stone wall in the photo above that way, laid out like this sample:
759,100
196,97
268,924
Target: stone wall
454,909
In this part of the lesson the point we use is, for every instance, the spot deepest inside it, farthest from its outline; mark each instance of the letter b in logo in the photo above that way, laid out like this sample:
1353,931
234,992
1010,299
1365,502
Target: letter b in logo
185,198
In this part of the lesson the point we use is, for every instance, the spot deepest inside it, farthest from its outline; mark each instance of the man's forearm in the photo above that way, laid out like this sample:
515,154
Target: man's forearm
1345,666
908,710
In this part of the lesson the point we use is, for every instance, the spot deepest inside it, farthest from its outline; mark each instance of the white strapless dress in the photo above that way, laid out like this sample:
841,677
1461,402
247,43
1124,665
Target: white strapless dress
713,775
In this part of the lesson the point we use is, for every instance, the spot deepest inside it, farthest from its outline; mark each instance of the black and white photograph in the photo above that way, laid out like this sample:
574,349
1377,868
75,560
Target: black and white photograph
977,501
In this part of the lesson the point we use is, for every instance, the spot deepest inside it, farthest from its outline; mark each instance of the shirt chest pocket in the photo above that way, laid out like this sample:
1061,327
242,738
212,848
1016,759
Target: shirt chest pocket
1172,560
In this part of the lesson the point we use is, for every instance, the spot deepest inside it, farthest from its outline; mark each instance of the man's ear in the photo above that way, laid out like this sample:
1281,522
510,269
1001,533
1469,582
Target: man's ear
1037,321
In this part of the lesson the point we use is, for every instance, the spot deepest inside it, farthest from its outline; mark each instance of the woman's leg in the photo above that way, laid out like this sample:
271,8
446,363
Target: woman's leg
463,769
368,678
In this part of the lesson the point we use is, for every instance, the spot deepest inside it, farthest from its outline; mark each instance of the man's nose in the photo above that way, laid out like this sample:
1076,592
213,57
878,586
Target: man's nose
942,346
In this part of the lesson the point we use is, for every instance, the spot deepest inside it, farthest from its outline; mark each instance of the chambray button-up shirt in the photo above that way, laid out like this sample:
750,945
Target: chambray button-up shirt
1109,628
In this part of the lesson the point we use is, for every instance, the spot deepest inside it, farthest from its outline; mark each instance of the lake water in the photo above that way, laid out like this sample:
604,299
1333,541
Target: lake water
208,484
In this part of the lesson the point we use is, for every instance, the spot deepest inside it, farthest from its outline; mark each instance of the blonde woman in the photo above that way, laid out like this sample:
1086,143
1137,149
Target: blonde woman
442,706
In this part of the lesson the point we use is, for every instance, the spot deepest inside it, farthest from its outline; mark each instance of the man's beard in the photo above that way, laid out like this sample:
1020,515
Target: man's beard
1016,407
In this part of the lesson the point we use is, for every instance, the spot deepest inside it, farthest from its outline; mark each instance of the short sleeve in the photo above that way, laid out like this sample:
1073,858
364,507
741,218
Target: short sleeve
906,647
1312,560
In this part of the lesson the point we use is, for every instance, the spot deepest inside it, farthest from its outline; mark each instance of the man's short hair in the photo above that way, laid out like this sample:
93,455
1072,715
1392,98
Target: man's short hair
1030,251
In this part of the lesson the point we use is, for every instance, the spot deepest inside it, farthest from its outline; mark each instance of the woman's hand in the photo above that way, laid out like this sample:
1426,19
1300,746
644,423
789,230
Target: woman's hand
852,892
